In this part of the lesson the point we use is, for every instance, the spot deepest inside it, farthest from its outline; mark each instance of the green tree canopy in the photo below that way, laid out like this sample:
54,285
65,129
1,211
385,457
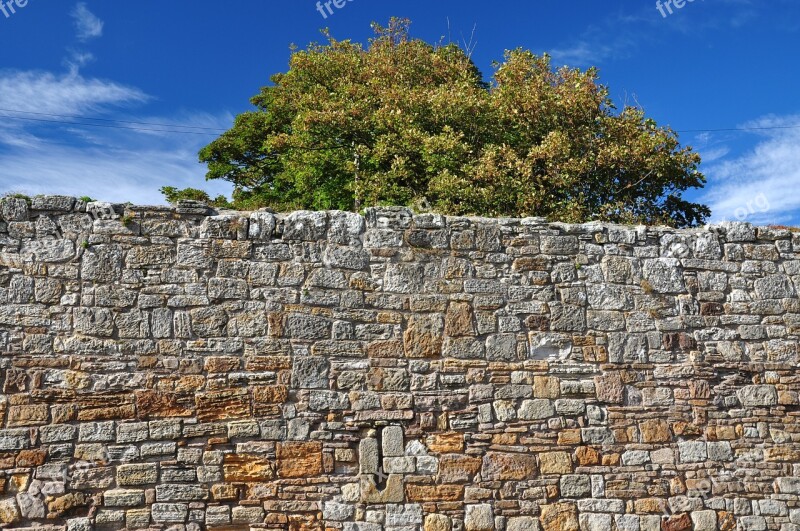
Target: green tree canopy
404,122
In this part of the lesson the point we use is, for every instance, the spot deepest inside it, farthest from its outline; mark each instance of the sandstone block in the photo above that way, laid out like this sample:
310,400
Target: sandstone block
299,459
559,517
501,466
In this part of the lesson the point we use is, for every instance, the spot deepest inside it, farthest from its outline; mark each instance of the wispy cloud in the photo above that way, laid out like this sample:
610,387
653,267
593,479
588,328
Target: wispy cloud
109,163
48,152
87,25
584,53
124,170
71,93
621,33
77,60
74,134
759,185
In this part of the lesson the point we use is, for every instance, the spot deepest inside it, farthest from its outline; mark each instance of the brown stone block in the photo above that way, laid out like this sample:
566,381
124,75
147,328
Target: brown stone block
569,437
655,431
546,387
30,415
699,389
29,458
677,486
127,411
458,320
726,521
677,522
224,492
222,364
268,363
782,454
62,504
270,394
389,318
424,335
587,456
7,461
275,323
531,263
16,381
153,404
189,384
609,387
559,517
223,405
721,433
584,341
678,340
17,482
391,493
650,506
147,362
299,459
502,466
555,463
596,354
247,468
304,522
611,459
443,443
434,493
504,439
788,398
458,468
61,413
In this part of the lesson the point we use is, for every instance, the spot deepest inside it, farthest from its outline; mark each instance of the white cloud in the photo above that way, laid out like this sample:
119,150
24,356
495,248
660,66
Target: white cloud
760,185
87,25
110,173
110,164
111,153
47,152
45,92
77,60
712,154
582,54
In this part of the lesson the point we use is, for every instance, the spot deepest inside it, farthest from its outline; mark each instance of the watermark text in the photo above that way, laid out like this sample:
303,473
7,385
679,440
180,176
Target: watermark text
325,7
665,7
9,7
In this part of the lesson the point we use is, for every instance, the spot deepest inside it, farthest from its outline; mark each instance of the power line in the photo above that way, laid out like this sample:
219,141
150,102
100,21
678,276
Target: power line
74,117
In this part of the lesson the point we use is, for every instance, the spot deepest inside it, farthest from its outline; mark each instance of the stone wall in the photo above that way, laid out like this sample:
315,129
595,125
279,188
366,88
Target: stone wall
179,368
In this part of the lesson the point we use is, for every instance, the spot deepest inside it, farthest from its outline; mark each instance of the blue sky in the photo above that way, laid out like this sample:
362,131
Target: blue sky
723,72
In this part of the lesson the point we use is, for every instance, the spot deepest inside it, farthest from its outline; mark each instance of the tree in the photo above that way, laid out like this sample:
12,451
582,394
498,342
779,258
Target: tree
405,122
173,195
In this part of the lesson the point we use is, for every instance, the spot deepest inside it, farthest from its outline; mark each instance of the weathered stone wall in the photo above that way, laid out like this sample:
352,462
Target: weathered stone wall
170,368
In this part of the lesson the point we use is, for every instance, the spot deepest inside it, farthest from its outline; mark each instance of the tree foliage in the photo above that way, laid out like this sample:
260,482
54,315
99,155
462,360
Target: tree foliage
404,122
173,195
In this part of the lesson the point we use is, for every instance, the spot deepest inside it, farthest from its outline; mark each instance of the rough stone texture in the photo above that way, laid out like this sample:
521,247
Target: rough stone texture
183,369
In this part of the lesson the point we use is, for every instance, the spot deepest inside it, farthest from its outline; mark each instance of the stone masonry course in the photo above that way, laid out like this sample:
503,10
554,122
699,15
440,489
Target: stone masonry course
181,368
